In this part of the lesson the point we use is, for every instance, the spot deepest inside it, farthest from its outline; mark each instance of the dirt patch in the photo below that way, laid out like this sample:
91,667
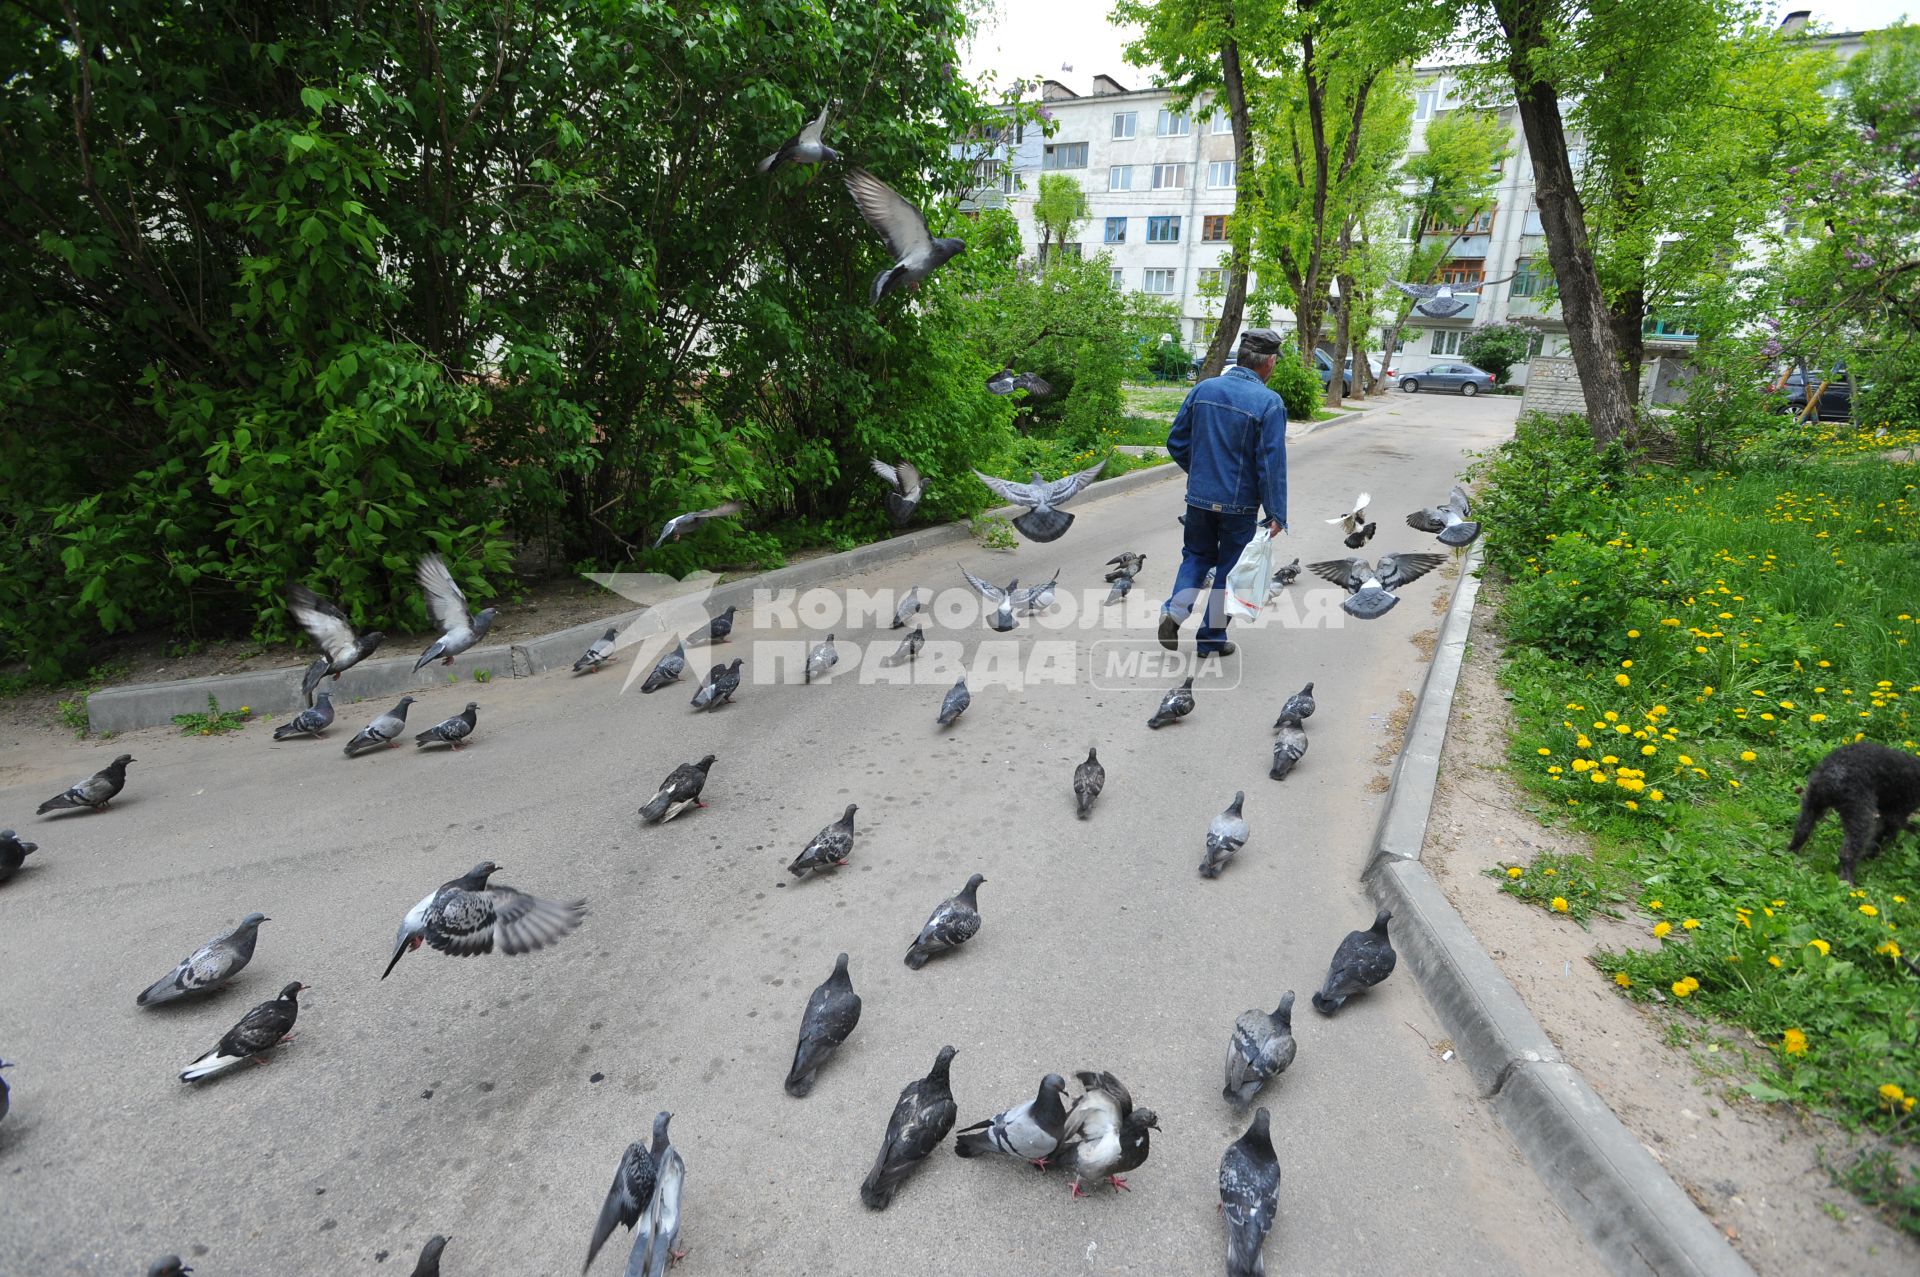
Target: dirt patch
1424,642
1754,1170
1396,727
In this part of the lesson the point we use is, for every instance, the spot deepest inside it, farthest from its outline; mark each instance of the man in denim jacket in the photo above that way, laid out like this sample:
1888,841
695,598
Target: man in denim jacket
1230,436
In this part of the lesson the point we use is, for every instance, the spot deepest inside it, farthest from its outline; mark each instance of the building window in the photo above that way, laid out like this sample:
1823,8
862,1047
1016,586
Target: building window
1213,228
1480,222
1211,279
1223,123
1116,230
1530,277
1672,327
1068,250
1159,279
1125,124
1174,124
1446,341
1064,155
1425,103
1464,270
1118,277
1163,230
1120,178
1169,177
1203,331
1409,224
1221,173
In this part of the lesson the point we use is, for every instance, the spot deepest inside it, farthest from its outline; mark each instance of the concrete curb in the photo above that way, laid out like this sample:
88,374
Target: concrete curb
1633,1214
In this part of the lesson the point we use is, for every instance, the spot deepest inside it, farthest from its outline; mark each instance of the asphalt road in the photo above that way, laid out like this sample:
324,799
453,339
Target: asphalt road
460,1096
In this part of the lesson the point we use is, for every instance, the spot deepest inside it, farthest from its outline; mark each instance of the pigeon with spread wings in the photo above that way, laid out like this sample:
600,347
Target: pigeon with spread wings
1372,585
916,253
1450,521
459,630
904,489
340,648
1043,521
681,524
804,147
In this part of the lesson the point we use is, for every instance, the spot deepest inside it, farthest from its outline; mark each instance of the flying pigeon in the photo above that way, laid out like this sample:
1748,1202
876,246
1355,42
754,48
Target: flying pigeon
341,649
904,489
1042,522
631,1192
722,682
678,791
259,1031
1287,574
167,1266
1352,521
1226,834
909,648
1289,747
669,669
467,917
383,730
721,628
653,1243
1354,540
1006,381
13,853
829,848
1449,520
1262,1047
681,524
1371,586
1001,618
921,1118
1105,1135
1249,1196
1031,1131
598,653
1122,586
6,1099
1089,778
1364,959
96,791
956,702
448,604
1438,301
1301,704
805,147
1037,598
1175,705
208,967
428,1264
1126,563
832,1012
822,658
453,731
916,254
908,606
308,722
949,926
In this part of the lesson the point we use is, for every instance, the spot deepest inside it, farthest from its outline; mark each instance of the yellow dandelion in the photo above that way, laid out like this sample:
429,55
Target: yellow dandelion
1559,904
1821,945
1891,1093
1690,923
1661,928
1621,978
1793,1042
1515,871
1773,959
1623,680
1870,911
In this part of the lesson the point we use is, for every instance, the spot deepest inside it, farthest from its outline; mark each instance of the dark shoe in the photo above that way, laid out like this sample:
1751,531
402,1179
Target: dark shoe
1225,649
1169,632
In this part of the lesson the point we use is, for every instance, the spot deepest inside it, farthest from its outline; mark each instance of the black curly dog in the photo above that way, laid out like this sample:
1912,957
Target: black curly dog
1875,789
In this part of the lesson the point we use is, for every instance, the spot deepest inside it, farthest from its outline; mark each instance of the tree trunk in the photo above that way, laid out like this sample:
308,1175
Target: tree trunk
1233,304
1627,317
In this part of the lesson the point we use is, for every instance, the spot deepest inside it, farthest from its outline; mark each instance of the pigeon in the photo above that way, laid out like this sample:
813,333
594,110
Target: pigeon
1042,522
1439,301
1122,586
448,604
680,790
631,1192
909,648
1364,959
259,1031
1373,586
340,648
1262,1047
1249,1196
832,1012
681,524
1031,1130
167,1266
382,730
908,606
13,853
6,1099
208,967
956,702
1354,540
453,731
1287,574
1105,1135
308,722
1126,563
1449,520
1226,834
1289,747
1089,778
949,926
1001,618
1037,598
922,1116
1006,381
467,917
904,489
1300,705
96,791
429,1262
1175,705
669,669
804,147
1353,520
916,254
598,653
653,1242
722,682
721,628
822,658
829,848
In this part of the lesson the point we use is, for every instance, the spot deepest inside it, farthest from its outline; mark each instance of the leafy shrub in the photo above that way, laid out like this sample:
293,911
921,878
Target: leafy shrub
1298,386
1498,348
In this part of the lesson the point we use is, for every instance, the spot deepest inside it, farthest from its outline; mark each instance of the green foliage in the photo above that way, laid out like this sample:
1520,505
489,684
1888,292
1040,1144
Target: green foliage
993,532
483,676
1298,385
214,721
1059,210
1887,1182
1559,882
1544,481
73,714
1498,348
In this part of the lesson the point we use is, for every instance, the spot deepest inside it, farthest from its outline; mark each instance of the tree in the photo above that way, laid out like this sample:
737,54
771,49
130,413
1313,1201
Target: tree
1498,348
1059,210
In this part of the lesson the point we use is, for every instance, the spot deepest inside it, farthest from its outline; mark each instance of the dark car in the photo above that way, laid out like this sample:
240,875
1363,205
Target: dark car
1836,399
1464,378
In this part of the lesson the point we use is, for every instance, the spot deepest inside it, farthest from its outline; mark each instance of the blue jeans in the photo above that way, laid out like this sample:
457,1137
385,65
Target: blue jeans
1214,541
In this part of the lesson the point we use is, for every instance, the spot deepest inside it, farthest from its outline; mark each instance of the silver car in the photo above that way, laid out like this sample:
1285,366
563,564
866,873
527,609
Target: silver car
1464,378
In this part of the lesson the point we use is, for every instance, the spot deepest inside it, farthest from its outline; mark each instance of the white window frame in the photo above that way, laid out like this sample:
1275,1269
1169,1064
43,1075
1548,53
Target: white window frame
1118,277
1216,169
1168,275
1120,177
1064,150
1426,103
1446,341
1210,275
1169,177
1173,124
1222,123
1126,125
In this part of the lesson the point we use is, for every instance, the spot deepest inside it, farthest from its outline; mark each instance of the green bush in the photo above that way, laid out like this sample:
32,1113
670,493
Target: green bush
1298,385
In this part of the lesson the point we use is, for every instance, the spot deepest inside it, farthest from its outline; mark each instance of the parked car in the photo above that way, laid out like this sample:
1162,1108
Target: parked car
1836,401
1464,378
1323,362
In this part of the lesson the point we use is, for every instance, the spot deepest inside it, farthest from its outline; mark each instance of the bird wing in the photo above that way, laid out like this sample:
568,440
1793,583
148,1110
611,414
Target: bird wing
721,511
1398,569
1418,290
896,221
445,599
1427,519
1458,500
325,622
1061,489
887,472
630,1194
523,923
910,481
992,593
1348,574
1010,491
259,1029
814,129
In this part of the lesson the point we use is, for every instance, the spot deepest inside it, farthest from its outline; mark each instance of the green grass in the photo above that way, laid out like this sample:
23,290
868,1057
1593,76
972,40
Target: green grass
214,720
1153,401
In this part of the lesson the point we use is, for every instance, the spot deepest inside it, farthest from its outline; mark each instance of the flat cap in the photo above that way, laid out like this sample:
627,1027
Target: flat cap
1260,341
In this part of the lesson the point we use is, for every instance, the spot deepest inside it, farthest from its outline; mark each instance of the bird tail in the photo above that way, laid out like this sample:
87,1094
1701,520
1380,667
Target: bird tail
311,679
917,957
898,510
1369,605
974,1141
1244,1257
1460,534
161,990
212,1064
1044,525
883,283
655,681
1326,1005
878,1188
360,742
59,802
1086,805
431,734
1211,865
286,730
656,807
427,658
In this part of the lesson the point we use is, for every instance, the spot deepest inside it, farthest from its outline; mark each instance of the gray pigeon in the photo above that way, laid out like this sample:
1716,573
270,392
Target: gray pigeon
909,648
1353,520
1126,563
1354,540
1371,586
1249,1197
822,658
680,790
6,1098
1122,586
916,254
1262,1047
598,653
1006,381
904,489
722,682
908,606
1364,959
955,704
922,1116
428,1265
459,630
681,524
1439,301
308,722
1089,778
653,1243
167,1266
805,147
453,731
1289,745
1174,706
1031,1130
258,1032
1037,598
1301,705
720,629
384,730
208,967
832,1012
468,917
631,1192
669,669
950,925
1287,574
1001,618
13,853
96,791
1226,834
829,848
1449,520
1105,1135
1043,522
340,648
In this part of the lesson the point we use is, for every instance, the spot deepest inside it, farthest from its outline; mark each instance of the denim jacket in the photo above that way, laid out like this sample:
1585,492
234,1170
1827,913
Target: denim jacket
1230,436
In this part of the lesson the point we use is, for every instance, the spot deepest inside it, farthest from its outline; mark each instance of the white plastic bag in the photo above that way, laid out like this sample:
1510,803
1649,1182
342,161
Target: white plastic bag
1249,579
